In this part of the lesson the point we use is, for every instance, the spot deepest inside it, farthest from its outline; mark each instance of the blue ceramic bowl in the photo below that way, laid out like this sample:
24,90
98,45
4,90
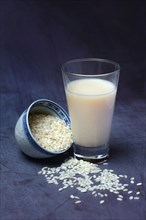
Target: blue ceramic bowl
23,133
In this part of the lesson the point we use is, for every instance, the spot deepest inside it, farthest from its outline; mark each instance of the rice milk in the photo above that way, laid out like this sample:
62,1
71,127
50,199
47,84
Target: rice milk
91,105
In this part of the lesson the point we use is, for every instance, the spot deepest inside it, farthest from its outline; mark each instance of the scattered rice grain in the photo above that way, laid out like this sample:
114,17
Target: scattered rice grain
60,189
129,192
139,184
120,196
120,199
105,163
136,197
121,175
76,197
72,196
102,201
88,177
78,201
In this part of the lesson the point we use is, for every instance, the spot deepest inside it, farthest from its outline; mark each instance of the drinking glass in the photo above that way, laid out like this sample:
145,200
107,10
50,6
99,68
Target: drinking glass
90,86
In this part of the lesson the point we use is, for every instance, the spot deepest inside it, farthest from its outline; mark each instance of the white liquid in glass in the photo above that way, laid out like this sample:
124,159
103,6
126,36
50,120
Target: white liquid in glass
91,105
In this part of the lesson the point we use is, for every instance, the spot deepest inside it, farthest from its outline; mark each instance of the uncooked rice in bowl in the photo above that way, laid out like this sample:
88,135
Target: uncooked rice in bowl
50,132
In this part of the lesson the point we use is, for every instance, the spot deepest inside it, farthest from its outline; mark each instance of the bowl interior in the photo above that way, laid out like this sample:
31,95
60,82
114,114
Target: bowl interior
51,108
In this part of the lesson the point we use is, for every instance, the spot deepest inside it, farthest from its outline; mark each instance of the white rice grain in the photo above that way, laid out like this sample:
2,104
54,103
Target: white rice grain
50,132
87,177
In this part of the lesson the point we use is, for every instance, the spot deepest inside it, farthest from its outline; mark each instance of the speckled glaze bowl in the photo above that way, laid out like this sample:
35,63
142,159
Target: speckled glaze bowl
23,133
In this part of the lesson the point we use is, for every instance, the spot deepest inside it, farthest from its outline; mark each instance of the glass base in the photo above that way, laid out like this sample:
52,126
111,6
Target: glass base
92,154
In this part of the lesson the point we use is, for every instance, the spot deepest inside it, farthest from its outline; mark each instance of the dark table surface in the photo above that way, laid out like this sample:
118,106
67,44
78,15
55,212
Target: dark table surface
37,37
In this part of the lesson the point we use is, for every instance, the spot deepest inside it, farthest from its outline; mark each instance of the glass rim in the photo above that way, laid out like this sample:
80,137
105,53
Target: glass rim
94,60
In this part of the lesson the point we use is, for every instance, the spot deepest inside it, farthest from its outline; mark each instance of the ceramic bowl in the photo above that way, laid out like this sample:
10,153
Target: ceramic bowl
23,134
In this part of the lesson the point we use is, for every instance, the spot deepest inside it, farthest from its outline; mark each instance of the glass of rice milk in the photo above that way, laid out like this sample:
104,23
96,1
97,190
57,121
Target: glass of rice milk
90,87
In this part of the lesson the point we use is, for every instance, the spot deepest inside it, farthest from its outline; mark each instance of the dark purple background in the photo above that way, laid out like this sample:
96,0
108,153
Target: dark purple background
37,37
